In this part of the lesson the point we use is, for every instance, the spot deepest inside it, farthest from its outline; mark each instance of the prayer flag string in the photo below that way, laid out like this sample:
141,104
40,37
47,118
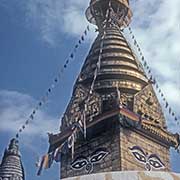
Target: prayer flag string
55,82
152,79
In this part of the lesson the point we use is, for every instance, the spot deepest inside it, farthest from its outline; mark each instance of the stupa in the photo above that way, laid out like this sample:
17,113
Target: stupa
124,122
11,167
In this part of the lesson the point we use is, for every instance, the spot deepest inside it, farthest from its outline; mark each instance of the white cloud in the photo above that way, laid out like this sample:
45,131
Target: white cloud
156,27
14,110
155,24
55,17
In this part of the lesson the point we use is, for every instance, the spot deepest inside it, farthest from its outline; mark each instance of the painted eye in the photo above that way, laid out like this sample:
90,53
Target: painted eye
139,156
79,163
155,164
155,161
138,153
98,156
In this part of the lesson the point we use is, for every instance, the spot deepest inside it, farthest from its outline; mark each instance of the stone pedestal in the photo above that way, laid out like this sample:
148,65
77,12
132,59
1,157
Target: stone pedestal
129,175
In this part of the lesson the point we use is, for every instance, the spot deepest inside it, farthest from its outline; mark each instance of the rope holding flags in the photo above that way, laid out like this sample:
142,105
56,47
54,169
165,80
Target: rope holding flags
149,72
55,82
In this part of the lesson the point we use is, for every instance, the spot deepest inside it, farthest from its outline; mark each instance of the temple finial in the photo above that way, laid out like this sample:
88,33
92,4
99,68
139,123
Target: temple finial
115,12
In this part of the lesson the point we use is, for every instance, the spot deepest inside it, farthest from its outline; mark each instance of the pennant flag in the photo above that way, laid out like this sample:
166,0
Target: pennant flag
85,32
173,113
27,122
133,37
76,46
149,71
71,141
162,94
72,55
147,67
57,153
82,38
170,110
65,66
17,135
46,162
175,118
67,61
157,86
23,127
164,99
159,90
142,58
79,41
135,42
20,130
38,162
88,28
40,103
41,166
84,121
31,116
167,104
65,148
139,49
145,63
56,80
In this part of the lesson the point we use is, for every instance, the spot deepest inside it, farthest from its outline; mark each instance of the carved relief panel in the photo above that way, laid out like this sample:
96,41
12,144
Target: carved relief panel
81,103
147,105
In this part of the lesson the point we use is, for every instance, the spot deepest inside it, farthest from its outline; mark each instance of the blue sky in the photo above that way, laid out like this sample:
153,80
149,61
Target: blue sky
36,37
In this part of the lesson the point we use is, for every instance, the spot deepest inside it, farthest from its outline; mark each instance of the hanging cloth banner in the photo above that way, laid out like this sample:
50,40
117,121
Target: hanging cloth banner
84,121
41,166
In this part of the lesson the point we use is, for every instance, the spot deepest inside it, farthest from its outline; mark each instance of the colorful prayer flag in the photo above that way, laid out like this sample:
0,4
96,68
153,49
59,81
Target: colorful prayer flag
88,28
46,162
170,110
72,55
82,38
31,116
167,104
17,135
56,80
57,154
67,61
27,122
41,166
